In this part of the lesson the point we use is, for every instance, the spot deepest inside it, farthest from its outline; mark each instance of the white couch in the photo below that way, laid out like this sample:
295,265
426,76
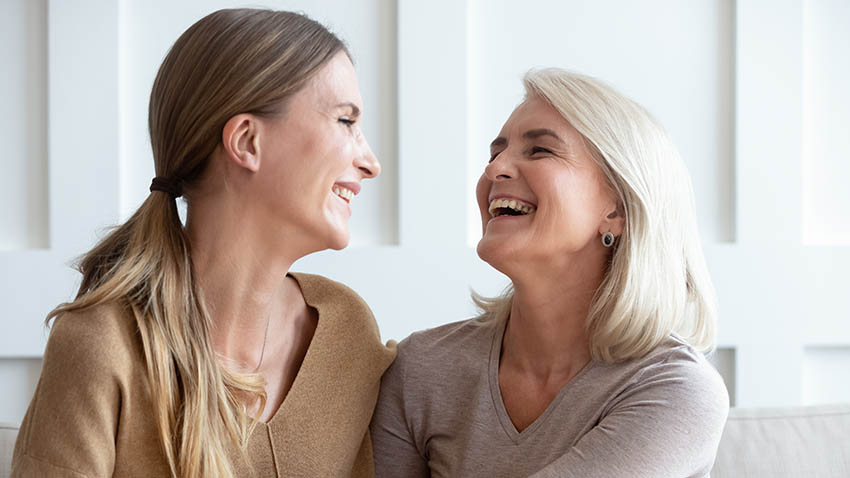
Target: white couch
7,445
797,442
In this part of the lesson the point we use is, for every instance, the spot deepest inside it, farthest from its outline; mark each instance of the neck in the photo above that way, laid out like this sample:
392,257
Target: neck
546,334
242,283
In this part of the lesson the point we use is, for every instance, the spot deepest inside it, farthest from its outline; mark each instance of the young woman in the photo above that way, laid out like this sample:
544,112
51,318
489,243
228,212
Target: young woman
191,350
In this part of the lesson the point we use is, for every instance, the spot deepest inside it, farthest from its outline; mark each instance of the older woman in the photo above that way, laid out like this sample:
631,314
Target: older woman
591,364
191,350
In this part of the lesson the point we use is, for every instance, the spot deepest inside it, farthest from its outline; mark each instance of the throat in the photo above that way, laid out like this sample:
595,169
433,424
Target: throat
526,399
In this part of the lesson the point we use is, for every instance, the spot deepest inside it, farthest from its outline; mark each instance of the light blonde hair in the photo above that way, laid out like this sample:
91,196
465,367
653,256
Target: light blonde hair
657,282
229,62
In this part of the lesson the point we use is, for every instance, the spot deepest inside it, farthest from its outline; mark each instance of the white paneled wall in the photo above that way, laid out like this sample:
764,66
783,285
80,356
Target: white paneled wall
752,92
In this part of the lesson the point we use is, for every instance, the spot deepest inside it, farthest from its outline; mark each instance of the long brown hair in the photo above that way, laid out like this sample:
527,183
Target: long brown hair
229,62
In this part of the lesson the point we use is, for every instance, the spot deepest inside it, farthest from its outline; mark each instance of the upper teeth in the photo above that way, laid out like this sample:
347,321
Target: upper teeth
344,193
511,204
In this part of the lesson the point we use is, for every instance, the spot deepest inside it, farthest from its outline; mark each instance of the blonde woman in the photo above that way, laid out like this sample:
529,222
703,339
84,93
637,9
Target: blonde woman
591,364
192,350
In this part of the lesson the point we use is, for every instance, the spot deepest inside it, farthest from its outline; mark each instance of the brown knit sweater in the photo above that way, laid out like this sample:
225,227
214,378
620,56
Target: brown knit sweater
91,415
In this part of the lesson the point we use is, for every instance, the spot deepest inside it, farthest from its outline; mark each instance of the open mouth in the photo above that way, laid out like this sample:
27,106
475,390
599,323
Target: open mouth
346,194
510,207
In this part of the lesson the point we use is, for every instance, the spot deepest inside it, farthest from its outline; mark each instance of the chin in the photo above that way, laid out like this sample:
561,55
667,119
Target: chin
339,241
507,257
491,252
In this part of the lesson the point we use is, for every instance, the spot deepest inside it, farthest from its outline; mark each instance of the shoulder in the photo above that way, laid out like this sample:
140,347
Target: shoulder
91,364
353,324
677,374
676,358
319,290
103,336
449,337
454,351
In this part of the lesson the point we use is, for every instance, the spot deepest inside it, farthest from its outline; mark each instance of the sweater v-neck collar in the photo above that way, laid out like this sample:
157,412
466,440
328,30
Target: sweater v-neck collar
309,357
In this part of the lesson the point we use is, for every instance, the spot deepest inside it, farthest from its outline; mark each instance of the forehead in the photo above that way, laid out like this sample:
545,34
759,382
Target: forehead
334,83
536,113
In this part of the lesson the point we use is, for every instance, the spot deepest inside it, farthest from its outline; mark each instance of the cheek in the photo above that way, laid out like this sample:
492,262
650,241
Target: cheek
573,206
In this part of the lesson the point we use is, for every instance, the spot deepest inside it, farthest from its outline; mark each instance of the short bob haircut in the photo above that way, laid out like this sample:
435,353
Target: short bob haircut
657,282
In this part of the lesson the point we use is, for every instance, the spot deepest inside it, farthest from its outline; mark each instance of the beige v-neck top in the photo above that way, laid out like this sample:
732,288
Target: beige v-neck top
91,413
440,414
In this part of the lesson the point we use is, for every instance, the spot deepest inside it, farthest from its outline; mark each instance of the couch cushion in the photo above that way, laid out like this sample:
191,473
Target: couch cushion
785,443
8,433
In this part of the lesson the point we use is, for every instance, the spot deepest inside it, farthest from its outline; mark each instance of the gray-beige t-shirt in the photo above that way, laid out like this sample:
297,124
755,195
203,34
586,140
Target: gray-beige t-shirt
440,414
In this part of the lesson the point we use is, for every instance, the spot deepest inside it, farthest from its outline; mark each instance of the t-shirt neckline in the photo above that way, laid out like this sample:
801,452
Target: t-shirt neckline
501,412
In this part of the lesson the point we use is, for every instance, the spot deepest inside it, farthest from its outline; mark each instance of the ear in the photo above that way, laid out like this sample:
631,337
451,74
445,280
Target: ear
614,221
240,138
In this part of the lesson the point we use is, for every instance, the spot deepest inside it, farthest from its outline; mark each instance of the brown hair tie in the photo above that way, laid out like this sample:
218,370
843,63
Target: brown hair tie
174,188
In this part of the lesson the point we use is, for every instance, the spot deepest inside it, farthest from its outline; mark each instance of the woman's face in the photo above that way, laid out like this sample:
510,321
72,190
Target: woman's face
314,157
543,199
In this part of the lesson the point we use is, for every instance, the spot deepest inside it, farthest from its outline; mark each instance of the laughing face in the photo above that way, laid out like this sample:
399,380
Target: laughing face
542,197
317,157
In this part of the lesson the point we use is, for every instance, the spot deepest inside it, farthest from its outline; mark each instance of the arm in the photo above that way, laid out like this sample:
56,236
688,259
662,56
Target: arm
69,429
394,446
666,424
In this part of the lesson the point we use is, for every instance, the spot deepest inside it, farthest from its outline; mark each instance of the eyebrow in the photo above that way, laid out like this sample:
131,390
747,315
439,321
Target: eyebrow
530,134
355,110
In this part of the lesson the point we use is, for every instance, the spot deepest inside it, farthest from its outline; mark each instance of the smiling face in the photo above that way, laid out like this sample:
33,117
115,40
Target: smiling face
542,197
313,158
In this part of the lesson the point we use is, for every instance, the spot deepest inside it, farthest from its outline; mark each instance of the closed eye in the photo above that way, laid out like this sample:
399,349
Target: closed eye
538,149
348,122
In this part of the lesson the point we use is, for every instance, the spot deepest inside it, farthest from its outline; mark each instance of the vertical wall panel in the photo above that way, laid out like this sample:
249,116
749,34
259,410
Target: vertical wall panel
23,125
82,123
769,121
432,119
826,114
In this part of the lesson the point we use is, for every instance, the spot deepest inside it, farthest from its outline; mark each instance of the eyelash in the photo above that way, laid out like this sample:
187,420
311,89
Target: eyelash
348,122
534,150
538,149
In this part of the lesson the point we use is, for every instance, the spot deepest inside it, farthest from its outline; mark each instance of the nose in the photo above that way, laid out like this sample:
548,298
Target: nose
500,168
366,162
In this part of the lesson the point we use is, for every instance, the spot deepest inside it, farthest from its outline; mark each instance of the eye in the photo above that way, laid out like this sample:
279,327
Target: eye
493,156
348,122
538,149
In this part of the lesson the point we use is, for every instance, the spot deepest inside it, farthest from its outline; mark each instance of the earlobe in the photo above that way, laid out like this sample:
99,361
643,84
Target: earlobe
240,138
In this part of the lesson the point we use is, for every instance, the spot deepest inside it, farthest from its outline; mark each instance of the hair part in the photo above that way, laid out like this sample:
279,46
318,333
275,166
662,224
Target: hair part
657,281
229,62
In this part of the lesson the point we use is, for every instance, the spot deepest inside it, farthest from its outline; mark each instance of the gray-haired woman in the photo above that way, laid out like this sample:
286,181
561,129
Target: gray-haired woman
591,364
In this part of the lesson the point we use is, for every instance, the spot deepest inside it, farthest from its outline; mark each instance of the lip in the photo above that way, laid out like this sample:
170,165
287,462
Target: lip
513,198
350,185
